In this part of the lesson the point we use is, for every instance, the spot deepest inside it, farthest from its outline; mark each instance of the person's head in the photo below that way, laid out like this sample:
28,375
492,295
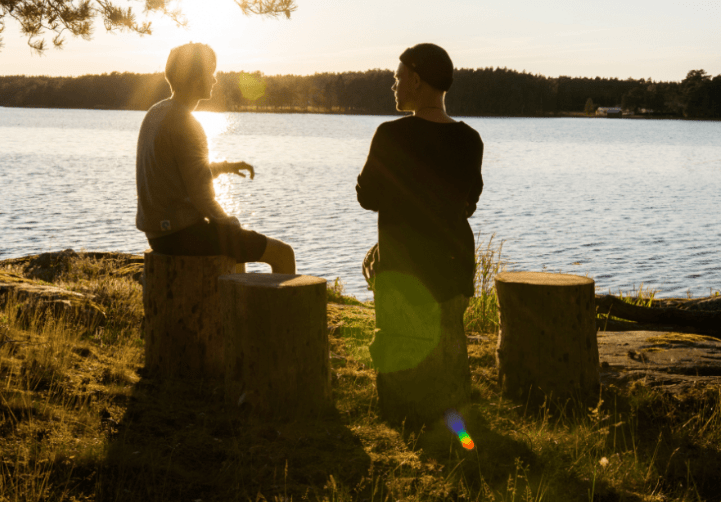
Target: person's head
190,70
425,71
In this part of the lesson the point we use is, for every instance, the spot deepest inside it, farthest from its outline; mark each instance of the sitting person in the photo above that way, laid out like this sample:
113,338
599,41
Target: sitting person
423,176
177,207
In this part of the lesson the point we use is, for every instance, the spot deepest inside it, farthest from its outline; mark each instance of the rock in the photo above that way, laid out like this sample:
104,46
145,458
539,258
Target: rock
50,266
672,361
36,299
702,304
45,266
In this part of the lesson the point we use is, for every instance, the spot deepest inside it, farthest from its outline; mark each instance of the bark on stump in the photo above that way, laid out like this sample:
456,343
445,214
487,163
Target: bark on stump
419,351
181,301
277,350
548,336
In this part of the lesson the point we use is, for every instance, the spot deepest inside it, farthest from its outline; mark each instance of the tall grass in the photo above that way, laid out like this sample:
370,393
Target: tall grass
481,314
79,421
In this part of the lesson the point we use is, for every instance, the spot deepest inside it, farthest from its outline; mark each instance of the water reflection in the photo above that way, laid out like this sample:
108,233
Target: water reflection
214,125
558,191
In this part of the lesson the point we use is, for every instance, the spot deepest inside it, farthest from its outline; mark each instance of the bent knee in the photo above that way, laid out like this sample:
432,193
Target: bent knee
288,250
278,248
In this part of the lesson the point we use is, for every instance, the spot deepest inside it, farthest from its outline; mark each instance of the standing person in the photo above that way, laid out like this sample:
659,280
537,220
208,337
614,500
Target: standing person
177,207
423,176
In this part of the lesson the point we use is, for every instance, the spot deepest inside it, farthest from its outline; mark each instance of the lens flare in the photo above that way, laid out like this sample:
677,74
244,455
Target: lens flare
456,426
252,86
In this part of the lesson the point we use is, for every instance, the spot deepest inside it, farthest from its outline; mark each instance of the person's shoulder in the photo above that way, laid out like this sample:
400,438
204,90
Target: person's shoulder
155,117
401,122
394,126
161,107
177,118
160,111
470,132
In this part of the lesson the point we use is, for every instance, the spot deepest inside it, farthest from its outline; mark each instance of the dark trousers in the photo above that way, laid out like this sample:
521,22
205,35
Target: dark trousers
211,239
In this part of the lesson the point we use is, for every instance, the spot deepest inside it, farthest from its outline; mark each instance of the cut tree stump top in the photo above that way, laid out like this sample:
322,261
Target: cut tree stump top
543,278
275,280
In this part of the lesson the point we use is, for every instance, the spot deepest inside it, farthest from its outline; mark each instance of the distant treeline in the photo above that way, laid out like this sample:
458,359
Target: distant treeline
476,92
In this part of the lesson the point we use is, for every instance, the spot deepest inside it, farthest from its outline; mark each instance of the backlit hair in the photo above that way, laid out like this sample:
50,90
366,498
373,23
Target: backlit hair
187,63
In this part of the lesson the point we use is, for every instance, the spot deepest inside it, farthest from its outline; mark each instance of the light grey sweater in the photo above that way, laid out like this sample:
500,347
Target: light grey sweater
174,178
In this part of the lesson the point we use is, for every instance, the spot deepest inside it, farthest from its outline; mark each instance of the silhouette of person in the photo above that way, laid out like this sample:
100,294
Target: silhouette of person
177,207
423,176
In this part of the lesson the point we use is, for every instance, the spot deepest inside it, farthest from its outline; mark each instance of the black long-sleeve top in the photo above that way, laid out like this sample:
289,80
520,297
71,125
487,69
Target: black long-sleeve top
425,178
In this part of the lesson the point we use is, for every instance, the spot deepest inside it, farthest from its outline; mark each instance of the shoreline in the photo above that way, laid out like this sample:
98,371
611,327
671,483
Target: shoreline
312,111
138,258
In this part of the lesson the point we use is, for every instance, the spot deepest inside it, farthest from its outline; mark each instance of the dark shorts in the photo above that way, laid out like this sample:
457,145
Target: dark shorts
210,239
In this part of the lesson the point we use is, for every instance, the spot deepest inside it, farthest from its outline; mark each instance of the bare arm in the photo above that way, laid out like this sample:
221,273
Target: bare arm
219,168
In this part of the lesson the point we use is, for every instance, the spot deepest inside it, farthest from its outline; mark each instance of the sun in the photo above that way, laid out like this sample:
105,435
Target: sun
213,22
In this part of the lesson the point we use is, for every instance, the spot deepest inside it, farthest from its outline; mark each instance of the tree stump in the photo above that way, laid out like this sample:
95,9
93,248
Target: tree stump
548,337
277,350
182,323
419,351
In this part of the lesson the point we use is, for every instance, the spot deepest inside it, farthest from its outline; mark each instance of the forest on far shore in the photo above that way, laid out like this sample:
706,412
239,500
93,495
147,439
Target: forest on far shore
475,92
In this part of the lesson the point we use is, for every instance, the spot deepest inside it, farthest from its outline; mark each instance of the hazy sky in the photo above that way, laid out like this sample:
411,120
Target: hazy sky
658,39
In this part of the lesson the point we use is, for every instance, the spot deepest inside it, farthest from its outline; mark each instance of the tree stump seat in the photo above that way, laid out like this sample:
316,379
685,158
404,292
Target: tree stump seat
276,344
182,308
547,343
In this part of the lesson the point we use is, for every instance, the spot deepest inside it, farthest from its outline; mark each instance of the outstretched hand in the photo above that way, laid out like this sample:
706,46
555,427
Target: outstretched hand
237,168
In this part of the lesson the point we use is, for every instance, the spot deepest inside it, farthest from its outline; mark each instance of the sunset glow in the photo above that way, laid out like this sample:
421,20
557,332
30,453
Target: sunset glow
662,40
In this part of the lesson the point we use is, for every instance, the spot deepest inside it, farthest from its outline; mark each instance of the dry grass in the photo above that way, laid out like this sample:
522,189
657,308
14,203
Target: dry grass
79,420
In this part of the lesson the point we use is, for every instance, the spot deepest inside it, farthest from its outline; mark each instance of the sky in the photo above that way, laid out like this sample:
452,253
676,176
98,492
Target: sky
657,39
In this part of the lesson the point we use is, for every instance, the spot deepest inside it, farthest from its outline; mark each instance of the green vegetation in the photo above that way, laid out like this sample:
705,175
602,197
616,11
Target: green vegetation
79,420
505,93
481,315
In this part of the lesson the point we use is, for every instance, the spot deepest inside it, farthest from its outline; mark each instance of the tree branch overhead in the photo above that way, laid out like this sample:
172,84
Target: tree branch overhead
36,17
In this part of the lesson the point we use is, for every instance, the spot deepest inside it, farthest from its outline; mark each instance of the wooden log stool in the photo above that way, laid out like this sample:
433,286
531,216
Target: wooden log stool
548,337
182,323
419,351
277,350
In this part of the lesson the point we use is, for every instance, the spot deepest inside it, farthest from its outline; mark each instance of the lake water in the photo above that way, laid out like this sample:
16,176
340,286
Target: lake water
623,201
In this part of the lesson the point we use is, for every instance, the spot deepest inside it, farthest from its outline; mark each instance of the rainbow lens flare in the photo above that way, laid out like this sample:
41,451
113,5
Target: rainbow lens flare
456,425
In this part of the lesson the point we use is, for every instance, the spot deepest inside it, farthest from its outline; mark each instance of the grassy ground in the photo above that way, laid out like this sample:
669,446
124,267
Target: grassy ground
79,420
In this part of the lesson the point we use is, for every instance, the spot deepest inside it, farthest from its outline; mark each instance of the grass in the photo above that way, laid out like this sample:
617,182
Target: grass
481,314
79,420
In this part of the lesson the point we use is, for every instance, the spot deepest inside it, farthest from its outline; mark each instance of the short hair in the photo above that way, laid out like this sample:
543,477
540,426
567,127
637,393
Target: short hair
187,62
432,64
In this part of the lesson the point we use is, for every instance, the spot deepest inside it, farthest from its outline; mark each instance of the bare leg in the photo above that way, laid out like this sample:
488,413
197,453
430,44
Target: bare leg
280,256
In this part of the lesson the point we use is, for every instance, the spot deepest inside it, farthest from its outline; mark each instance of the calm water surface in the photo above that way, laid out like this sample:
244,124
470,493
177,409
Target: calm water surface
623,201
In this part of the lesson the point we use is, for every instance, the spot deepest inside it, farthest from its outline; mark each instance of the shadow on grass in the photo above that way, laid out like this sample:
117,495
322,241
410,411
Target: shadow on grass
177,441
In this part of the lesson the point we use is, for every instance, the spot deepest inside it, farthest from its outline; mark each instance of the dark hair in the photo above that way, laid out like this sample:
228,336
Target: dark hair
187,62
432,64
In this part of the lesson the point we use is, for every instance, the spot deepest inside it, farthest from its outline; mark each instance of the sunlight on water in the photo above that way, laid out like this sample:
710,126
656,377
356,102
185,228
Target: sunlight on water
623,201
214,124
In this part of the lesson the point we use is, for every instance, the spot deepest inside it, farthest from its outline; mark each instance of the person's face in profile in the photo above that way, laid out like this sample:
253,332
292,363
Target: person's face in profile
206,82
403,90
